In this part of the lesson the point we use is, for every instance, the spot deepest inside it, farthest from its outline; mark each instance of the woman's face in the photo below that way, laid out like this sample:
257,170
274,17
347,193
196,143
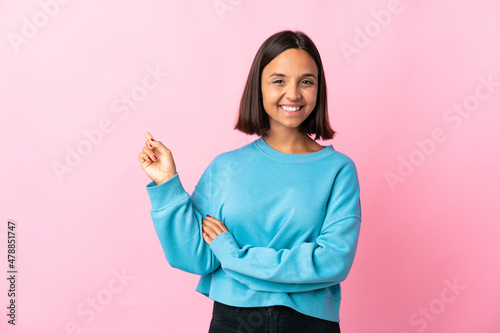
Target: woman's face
289,88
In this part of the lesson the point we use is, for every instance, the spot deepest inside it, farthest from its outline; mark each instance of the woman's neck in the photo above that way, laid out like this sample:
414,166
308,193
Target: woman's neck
292,143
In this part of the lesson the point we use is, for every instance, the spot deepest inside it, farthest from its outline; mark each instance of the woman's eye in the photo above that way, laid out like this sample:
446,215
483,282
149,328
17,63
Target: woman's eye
308,82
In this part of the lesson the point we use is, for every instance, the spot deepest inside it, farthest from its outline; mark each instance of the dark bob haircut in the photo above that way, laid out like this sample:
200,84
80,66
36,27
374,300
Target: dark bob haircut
252,118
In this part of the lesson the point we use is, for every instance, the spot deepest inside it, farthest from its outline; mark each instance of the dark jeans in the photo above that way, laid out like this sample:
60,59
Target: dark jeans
271,319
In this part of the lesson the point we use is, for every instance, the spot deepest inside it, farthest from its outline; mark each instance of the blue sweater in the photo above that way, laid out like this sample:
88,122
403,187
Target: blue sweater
293,222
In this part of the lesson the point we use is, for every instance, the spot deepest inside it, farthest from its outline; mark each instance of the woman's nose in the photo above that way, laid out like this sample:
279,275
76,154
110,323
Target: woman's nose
293,92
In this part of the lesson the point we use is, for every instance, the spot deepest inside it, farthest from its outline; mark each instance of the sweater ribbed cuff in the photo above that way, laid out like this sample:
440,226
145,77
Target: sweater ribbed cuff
165,194
224,245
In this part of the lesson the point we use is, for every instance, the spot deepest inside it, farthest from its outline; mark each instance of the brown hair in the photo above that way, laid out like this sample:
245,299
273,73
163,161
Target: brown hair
252,118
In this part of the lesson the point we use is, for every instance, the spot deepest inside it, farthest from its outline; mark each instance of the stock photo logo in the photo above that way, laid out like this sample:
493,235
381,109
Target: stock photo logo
121,106
99,301
12,254
428,314
454,117
363,37
33,24
223,6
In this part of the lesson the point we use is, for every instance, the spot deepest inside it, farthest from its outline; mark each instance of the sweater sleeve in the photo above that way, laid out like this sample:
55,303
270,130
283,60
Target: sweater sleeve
308,265
177,221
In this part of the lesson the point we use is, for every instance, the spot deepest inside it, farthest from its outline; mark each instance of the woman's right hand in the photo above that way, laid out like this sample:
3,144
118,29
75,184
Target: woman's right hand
157,160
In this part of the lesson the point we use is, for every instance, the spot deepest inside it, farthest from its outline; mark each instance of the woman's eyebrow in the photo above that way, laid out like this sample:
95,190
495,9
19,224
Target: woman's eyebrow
283,75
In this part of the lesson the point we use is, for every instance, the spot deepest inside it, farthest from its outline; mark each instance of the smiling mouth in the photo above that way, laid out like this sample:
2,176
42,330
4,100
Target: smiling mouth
291,108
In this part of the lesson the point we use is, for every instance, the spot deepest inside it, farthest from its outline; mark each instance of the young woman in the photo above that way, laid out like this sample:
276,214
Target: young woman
272,227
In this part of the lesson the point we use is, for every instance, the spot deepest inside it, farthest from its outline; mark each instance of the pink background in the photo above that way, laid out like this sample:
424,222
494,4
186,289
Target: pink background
428,258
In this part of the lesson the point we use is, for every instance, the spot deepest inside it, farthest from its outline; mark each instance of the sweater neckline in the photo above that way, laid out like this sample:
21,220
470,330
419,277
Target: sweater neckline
265,148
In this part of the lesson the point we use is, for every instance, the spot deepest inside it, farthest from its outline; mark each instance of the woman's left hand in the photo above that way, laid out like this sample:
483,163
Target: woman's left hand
212,228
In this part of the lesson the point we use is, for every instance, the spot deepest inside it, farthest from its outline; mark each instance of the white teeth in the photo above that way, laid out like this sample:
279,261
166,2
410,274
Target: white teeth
290,109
